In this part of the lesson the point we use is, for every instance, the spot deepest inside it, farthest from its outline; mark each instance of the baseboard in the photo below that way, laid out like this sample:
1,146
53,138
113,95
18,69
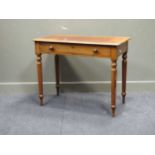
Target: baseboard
78,86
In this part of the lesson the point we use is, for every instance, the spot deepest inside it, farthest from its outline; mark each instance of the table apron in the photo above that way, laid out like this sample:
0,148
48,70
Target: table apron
72,49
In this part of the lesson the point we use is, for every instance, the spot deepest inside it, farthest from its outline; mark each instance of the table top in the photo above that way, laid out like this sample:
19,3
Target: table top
77,39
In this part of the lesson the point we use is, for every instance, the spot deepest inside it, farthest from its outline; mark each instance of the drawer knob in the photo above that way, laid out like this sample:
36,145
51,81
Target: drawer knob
95,51
51,48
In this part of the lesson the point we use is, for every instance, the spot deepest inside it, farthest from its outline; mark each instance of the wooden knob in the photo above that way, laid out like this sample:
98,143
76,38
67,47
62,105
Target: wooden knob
51,48
95,51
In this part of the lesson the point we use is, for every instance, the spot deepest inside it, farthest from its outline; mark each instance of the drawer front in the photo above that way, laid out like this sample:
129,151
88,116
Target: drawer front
72,49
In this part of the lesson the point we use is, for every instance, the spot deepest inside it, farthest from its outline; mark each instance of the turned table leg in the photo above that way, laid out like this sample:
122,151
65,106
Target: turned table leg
113,86
40,79
124,72
57,73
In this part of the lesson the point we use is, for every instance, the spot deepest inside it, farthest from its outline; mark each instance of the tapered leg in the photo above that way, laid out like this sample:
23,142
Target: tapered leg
57,73
124,72
40,79
113,86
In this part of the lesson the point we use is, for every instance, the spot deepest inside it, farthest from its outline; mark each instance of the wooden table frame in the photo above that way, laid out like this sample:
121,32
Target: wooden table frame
105,47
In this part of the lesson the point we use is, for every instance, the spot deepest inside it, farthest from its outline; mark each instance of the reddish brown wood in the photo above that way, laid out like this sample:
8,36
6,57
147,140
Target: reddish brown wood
74,49
77,39
57,73
113,86
105,47
124,72
40,79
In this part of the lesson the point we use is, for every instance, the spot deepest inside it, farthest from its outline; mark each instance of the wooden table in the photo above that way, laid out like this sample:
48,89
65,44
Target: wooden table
103,47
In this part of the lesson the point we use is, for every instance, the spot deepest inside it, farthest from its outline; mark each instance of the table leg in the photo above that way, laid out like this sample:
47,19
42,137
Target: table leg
40,79
57,73
124,71
113,86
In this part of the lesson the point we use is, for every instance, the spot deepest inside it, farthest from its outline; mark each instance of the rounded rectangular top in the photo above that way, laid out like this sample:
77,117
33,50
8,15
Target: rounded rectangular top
78,39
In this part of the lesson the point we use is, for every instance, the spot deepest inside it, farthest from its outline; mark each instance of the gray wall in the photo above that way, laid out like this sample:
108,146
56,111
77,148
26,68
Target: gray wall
17,53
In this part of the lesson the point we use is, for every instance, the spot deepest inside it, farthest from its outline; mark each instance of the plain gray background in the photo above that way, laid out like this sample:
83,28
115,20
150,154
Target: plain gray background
17,59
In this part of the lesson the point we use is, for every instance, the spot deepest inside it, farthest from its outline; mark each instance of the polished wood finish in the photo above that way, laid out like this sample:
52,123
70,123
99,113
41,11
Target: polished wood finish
113,86
40,79
103,47
57,73
39,72
91,40
124,72
75,49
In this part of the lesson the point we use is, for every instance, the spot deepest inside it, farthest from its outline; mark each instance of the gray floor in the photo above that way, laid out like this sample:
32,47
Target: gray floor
77,113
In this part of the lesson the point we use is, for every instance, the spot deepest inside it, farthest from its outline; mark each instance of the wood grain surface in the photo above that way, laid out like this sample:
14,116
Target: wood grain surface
96,40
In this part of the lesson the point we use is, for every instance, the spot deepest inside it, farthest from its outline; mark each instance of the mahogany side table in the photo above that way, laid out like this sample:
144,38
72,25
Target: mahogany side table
103,47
